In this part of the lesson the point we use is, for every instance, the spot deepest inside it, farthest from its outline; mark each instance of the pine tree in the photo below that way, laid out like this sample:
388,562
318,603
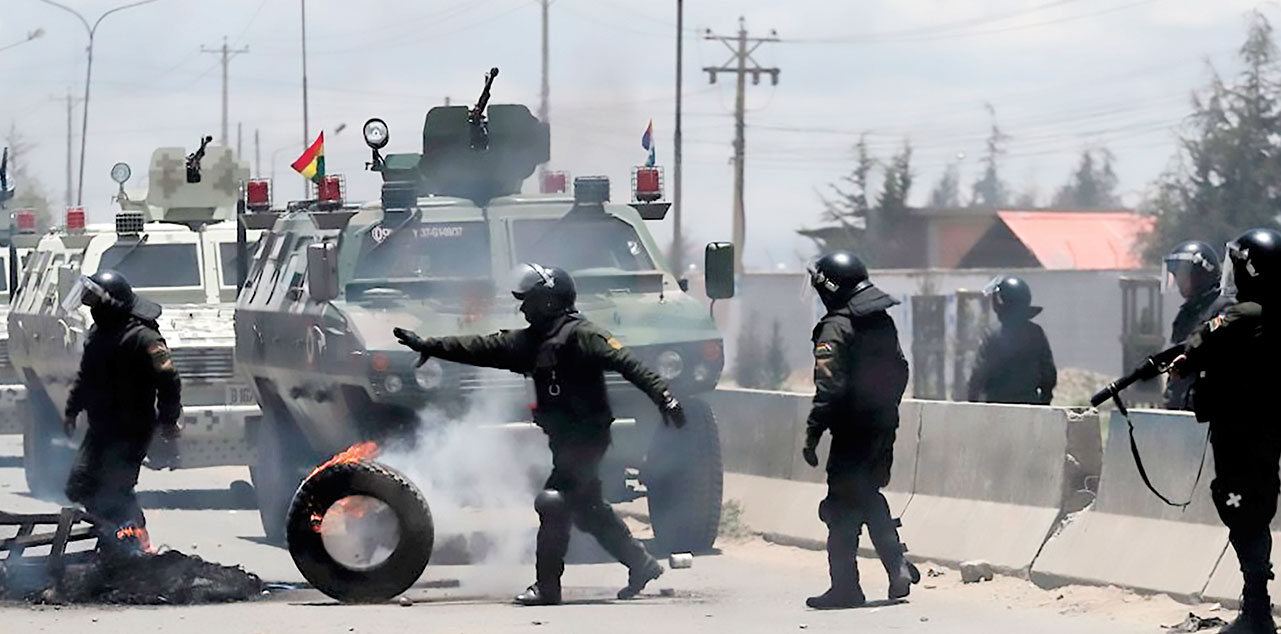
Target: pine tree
1092,185
989,191
947,192
1226,173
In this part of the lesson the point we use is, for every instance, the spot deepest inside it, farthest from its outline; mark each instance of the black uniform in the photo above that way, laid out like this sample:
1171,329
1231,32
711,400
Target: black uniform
1014,365
859,377
1197,310
567,358
128,386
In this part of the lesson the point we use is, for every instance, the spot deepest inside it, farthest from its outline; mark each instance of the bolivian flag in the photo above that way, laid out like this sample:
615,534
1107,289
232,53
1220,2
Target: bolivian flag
312,162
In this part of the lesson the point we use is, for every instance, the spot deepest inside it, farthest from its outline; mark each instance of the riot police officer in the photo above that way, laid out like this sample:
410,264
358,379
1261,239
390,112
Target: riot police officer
1014,363
1232,357
1193,268
129,388
859,377
567,356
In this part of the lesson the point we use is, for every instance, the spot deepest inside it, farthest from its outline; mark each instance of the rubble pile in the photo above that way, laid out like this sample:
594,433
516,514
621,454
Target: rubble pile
168,578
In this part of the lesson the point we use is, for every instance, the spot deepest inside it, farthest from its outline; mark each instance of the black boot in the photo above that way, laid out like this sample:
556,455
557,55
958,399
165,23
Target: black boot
842,547
535,595
883,529
639,575
1256,609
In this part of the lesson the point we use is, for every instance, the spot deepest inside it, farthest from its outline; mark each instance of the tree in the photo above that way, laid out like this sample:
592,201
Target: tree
775,370
947,192
1092,185
1225,176
28,193
857,225
1028,198
847,206
989,191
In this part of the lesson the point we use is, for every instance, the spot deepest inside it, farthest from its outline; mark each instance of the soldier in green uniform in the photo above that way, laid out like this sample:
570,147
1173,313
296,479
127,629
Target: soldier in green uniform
566,355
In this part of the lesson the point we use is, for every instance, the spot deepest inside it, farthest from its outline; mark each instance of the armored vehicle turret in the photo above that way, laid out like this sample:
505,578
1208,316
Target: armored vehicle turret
314,322
177,246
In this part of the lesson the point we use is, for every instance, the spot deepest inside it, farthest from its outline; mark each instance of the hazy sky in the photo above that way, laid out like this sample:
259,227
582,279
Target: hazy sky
1062,75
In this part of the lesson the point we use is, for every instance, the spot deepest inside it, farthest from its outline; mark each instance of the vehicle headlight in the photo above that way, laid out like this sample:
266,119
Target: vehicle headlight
393,384
670,365
430,375
701,373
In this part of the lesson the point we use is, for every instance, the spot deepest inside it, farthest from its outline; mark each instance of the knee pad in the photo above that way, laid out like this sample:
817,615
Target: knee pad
1241,506
551,504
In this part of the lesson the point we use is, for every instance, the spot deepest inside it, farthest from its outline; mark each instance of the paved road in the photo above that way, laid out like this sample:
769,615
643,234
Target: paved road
750,587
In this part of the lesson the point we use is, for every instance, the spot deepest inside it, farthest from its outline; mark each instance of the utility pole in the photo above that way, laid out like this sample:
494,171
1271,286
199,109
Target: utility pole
226,54
306,129
71,133
257,155
678,242
544,91
738,65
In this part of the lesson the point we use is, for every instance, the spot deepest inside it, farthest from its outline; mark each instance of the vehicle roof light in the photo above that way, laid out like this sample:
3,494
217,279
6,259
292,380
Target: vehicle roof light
591,189
329,191
75,219
555,182
647,183
130,223
258,195
25,220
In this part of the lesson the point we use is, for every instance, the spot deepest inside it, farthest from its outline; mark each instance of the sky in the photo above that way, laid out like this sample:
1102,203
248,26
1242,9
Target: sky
1061,75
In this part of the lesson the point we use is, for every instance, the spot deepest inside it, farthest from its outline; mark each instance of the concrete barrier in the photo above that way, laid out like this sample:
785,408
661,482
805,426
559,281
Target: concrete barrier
761,438
1128,537
993,480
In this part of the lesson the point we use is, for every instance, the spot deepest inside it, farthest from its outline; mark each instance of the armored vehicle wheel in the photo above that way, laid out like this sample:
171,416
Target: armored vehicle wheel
276,472
683,475
45,462
360,532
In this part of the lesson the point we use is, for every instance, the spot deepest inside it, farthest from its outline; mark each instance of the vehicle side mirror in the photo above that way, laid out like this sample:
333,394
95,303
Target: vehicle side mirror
718,270
322,271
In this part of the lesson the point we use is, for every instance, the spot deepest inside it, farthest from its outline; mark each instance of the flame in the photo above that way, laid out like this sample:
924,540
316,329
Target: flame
138,533
355,453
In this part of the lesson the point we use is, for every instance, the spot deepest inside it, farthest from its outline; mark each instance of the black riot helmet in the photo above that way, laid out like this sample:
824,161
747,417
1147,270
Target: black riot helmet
1253,265
544,292
110,298
1194,266
115,285
838,276
1011,298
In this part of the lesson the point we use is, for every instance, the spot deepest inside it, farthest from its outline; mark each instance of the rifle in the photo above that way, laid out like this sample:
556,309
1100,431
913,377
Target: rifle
476,118
193,161
1151,367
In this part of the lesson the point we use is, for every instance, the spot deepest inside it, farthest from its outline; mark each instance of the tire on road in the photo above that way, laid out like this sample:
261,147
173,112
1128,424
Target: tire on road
684,480
45,463
385,580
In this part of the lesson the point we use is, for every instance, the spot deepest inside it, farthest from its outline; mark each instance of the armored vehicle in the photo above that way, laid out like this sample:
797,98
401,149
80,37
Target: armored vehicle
314,322
17,240
178,247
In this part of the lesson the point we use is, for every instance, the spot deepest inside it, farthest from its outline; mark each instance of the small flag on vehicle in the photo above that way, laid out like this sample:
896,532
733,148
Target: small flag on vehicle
647,142
312,162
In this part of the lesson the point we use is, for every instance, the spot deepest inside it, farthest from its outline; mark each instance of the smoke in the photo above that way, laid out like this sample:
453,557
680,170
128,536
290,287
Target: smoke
479,475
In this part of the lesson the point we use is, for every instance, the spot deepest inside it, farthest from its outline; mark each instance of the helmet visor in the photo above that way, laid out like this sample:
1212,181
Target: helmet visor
993,286
1228,283
529,276
84,292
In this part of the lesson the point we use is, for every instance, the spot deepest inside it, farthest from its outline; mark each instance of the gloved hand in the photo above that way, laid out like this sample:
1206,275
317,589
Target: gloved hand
810,452
164,452
69,425
673,413
171,432
412,341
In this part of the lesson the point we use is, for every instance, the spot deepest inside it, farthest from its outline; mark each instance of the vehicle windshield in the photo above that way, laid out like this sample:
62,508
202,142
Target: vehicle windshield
581,244
153,265
425,251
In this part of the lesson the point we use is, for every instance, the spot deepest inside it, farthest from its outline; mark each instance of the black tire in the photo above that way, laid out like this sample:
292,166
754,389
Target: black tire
45,464
684,479
276,473
385,580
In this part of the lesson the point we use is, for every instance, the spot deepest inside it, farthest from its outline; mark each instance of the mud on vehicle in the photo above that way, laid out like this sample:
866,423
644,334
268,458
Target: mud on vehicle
177,247
326,286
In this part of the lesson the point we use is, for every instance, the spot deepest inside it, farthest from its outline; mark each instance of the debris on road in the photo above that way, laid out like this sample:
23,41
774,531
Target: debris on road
976,571
1195,623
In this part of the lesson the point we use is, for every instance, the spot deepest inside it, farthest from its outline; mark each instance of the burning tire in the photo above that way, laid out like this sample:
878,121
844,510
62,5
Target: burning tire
359,531
683,475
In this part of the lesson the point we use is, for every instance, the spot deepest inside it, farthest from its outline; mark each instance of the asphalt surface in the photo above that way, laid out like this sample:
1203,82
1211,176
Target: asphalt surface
748,587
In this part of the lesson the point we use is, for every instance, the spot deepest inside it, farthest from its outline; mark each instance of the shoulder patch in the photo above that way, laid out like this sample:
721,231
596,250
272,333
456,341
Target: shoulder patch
1217,323
614,342
823,350
160,357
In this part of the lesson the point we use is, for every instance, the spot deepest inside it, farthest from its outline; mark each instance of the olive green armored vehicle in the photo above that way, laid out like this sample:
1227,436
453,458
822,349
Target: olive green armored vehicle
325,287
177,246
